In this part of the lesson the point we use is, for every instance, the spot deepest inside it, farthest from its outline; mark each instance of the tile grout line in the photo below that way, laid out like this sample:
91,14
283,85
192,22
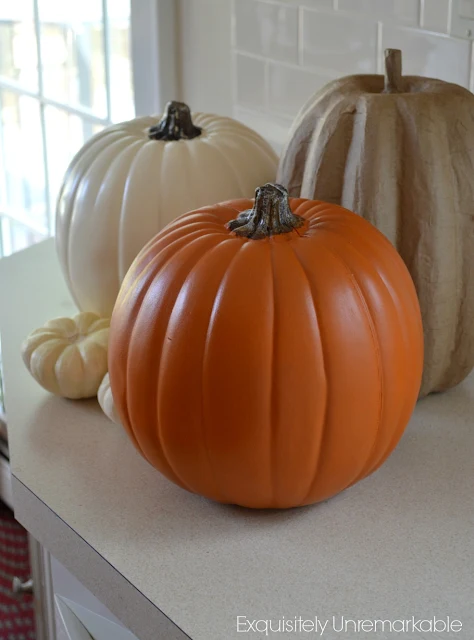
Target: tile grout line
233,46
379,48
266,85
471,67
328,74
421,14
300,36
450,16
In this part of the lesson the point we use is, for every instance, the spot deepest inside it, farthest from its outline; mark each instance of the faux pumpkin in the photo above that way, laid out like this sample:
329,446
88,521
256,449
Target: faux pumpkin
68,356
266,353
400,152
106,400
133,178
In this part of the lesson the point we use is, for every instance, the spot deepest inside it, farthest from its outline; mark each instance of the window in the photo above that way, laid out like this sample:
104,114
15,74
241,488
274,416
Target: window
65,73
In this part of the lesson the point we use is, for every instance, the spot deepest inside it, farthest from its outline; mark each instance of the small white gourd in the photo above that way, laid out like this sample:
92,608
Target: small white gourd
68,356
106,400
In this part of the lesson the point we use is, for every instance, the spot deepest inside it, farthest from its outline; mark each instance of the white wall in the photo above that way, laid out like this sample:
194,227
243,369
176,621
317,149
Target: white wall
205,55
261,59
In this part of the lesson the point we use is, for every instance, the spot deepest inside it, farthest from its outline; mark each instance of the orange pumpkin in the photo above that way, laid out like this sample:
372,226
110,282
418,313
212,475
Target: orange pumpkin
266,353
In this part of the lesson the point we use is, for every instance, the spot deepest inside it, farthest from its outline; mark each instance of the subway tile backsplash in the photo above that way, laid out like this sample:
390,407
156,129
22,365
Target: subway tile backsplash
430,54
250,76
435,15
290,87
340,42
267,29
285,50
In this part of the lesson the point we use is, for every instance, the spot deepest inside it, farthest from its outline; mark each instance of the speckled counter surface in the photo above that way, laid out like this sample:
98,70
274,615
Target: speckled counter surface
173,565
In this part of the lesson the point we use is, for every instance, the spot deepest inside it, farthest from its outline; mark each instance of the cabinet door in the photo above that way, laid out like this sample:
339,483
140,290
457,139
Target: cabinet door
79,623
43,591
66,585
68,611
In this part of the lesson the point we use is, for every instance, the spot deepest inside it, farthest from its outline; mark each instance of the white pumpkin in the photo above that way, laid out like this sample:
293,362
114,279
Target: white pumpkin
106,400
68,356
133,178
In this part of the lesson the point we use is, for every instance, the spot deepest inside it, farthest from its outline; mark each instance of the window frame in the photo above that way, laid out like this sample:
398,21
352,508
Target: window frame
154,79
154,54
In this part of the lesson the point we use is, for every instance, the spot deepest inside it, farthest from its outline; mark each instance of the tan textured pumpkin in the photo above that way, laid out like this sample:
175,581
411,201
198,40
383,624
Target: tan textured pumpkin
400,152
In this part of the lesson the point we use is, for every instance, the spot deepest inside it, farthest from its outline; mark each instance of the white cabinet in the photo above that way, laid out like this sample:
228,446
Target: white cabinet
78,623
74,612
66,585
462,18
5,482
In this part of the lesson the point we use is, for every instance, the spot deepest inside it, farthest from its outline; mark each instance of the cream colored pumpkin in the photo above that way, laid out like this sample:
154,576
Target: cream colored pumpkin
124,185
400,152
106,400
68,356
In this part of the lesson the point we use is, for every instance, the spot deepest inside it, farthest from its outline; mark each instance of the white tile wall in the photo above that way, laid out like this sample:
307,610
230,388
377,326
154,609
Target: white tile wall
284,50
342,43
323,4
290,87
274,128
402,11
250,76
267,29
466,8
204,59
430,54
435,15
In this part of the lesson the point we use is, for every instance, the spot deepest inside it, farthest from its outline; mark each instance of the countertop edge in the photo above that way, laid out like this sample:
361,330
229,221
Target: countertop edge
124,600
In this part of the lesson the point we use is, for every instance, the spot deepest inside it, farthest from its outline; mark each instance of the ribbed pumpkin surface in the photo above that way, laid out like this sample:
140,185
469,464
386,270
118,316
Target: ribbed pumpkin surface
122,188
405,162
272,372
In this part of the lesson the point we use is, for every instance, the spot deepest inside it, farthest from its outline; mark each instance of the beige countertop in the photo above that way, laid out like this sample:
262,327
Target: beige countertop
398,544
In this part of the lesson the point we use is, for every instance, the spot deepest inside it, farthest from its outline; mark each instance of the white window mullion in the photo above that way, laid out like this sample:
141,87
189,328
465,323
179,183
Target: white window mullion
82,112
5,232
3,166
76,111
155,36
49,216
23,219
107,51
154,63
16,87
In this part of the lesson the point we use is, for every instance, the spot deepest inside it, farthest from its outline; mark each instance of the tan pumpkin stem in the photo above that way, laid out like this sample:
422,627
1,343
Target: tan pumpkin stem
271,214
176,124
393,71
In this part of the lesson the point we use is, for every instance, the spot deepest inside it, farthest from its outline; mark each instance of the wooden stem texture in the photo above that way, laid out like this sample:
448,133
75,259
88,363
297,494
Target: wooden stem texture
271,214
176,124
393,71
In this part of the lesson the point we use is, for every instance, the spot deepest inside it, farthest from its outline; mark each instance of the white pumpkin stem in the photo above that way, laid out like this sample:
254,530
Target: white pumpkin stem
393,71
176,124
270,215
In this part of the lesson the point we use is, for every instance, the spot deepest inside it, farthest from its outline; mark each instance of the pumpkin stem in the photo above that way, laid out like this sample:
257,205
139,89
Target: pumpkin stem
393,71
270,215
176,124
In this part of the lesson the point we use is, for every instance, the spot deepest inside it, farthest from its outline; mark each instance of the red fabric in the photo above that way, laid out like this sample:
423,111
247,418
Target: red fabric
16,614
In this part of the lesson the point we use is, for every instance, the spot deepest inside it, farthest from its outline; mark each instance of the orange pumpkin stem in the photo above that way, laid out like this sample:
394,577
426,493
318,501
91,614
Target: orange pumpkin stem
176,124
271,214
393,71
